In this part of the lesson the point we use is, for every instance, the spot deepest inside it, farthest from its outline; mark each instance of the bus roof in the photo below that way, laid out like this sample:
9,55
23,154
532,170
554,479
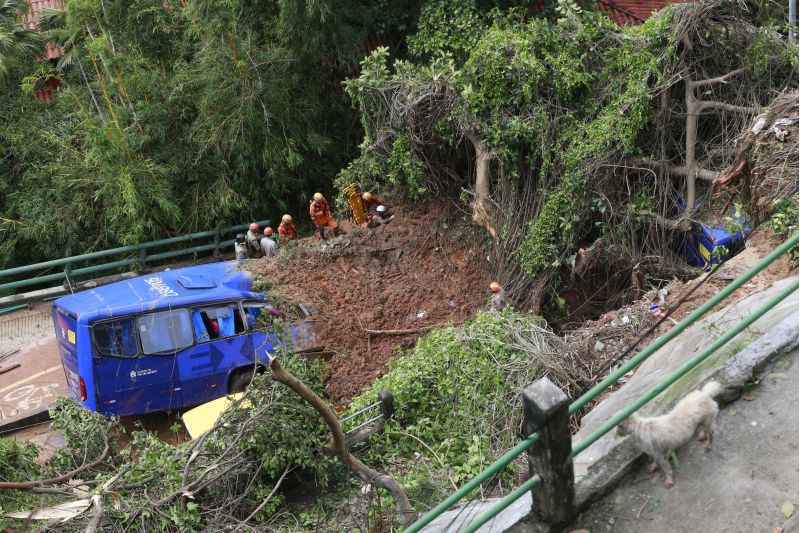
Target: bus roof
168,289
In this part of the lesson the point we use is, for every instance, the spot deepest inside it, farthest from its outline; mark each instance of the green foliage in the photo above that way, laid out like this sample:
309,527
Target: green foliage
404,170
785,219
84,431
177,116
17,43
448,28
457,399
17,463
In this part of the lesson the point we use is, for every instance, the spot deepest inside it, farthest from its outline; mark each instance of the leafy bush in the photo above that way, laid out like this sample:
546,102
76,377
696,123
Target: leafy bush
457,397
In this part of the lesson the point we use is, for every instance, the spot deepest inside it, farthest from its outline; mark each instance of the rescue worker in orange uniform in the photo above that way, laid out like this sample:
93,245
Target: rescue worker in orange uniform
375,216
286,230
499,300
320,213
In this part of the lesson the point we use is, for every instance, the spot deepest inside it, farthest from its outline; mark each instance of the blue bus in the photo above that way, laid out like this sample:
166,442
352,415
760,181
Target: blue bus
162,341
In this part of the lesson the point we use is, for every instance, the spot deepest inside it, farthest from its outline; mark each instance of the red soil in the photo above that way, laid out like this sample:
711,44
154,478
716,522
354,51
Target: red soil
412,273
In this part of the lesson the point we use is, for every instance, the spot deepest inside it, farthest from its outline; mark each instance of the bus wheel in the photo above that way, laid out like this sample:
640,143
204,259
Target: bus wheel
240,380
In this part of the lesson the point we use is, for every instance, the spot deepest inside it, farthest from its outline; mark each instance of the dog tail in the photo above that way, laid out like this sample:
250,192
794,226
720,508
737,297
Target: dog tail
712,389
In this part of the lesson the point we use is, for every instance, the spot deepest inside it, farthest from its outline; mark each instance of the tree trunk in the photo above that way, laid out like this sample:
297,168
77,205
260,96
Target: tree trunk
692,110
481,208
364,472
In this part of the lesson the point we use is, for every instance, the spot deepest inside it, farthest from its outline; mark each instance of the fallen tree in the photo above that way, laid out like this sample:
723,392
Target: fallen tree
604,131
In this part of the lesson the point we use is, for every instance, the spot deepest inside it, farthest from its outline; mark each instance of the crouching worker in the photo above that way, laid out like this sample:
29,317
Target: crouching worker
240,247
268,246
320,213
499,301
376,210
253,239
286,230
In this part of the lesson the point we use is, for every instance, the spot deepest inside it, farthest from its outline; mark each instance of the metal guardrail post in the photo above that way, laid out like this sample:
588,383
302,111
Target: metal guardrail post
546,411
142,266
387,403
216,242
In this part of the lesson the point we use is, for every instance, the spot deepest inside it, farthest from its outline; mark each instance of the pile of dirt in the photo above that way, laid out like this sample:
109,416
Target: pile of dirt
426,268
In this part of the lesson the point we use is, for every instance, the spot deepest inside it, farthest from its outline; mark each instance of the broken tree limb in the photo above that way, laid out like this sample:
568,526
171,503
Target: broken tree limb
367,474
401,331
719,79
481,210
27,485
702,173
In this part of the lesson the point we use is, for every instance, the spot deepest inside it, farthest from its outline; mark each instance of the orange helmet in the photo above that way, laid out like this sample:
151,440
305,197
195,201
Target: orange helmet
367,196
253,227
495,287
318,197
286,218
268,231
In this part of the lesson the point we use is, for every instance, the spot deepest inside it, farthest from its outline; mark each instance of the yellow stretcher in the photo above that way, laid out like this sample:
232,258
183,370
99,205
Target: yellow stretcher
203,417
353,196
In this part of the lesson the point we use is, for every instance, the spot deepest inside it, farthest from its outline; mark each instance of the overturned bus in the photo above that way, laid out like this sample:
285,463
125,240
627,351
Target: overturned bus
162,341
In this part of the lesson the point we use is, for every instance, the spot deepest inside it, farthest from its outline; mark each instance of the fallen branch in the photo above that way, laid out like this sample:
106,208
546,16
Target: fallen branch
27,485
268,498
97,502
702,173
401,331
364,472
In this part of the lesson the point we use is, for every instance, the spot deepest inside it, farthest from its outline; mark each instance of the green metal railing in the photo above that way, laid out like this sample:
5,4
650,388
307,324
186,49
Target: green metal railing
595,391
135,255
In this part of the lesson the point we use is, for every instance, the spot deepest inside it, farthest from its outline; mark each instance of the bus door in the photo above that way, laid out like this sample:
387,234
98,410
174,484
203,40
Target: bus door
221,346
135,364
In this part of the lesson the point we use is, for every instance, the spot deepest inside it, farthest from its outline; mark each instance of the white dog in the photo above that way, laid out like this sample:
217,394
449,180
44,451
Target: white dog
659,435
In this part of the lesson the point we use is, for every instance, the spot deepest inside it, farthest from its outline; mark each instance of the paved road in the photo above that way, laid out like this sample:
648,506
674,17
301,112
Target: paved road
739,486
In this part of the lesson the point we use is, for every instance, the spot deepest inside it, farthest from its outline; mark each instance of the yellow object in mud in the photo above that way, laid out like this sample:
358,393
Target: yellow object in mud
355,203
203,417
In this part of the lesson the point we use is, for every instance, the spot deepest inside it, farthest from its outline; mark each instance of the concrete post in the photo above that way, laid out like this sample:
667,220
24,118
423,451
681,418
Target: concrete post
546,411
387,403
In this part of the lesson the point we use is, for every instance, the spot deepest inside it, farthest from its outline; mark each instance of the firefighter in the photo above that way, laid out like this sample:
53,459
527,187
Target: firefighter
240,247
268,245
376,210
252,239
498,300
286,229
320,213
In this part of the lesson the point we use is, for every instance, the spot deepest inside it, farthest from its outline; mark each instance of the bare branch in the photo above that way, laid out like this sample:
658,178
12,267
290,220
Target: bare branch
367,474
719,79
711,104
702,173
25,485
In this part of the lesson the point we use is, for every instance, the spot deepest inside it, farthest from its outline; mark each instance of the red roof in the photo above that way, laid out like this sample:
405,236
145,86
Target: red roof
626,12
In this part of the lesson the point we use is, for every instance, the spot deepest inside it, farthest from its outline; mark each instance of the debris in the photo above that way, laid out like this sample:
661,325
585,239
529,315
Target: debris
787,509
748,396
599,346
203,417
776,375
61,511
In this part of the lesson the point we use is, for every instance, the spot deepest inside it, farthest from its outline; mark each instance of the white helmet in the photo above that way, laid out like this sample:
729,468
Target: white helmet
381,209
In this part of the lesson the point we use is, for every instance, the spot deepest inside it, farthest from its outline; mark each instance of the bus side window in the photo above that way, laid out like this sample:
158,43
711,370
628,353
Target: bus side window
165,332
115,339
217,322
252,311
